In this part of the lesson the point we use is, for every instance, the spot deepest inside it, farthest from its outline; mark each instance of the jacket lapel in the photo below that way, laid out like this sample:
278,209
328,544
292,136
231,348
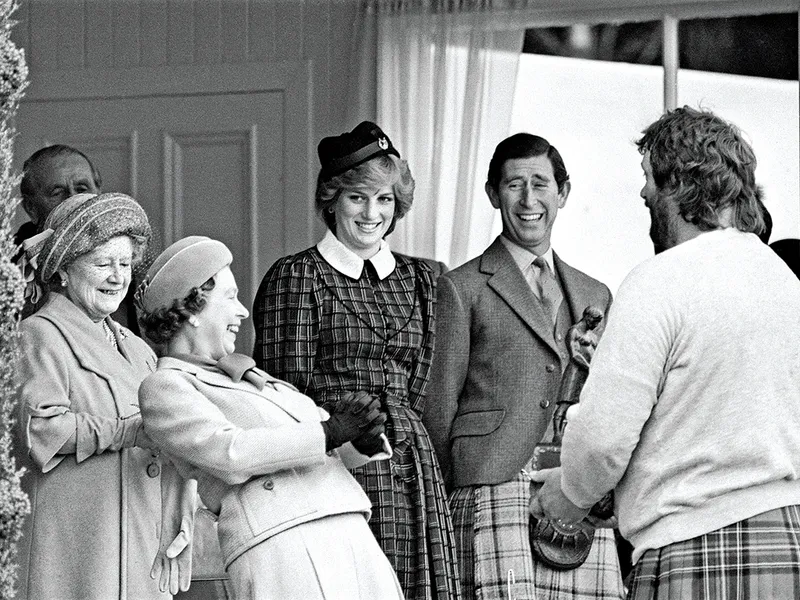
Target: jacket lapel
283,399
509,283
573,289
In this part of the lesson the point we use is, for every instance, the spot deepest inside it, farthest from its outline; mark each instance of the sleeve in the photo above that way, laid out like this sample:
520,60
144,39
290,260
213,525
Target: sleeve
51,428
421,370
187,425
620,393
448,371
286,319
352,458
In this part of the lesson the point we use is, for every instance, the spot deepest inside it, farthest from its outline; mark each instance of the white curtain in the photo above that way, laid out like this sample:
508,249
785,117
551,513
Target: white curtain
445,88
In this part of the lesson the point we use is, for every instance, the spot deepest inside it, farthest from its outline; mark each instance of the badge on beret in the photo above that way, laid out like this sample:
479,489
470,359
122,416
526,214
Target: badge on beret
383,143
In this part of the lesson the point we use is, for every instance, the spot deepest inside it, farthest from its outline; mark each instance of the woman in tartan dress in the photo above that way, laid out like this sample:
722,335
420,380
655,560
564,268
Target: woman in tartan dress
348,315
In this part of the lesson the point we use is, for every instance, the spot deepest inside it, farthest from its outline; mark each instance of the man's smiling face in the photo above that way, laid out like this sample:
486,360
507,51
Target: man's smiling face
528,199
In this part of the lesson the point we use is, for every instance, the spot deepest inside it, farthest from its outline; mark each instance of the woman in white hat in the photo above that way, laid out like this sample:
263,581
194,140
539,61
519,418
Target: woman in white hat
271,465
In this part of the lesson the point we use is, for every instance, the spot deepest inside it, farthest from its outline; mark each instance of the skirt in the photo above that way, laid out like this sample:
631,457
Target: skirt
333,558
758,558
494,552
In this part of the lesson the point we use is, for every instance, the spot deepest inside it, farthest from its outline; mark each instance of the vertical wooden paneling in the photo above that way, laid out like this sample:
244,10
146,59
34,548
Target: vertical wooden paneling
289,29
70,38
126,34
317,33
341,42
44,29
153,33
261,30
234,31
100,22
180,32
207,32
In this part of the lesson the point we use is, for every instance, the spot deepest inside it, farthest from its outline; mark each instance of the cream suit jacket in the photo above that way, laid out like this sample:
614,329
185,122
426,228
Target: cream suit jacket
258,456
495,364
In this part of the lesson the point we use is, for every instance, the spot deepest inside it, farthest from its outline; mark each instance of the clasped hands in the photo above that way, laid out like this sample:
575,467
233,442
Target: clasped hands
356,418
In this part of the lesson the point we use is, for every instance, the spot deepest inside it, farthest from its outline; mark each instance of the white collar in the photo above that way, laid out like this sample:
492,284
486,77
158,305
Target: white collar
347,262
524,257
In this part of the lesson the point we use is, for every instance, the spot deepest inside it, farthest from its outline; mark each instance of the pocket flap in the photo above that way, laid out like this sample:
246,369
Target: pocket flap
482,422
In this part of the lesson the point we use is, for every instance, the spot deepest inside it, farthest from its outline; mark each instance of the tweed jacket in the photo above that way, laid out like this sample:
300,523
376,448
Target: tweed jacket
93,531
258,456
495,363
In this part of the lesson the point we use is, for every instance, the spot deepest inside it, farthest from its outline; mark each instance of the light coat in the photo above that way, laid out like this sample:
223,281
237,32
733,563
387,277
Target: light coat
93,531
258,456
497,365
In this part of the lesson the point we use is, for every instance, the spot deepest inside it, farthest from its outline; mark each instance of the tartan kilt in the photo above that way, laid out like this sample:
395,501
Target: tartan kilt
757,558
494,552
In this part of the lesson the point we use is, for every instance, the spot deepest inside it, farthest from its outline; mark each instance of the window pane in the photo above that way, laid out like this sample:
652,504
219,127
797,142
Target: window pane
592,111
745,81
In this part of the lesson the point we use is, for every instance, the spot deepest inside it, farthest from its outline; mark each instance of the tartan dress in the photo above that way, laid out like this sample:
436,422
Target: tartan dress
329,335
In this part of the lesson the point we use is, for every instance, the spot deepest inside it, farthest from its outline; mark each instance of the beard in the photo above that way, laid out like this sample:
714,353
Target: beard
662,225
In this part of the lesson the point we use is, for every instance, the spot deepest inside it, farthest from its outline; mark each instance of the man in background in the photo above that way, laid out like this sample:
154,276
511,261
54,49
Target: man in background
501,325
51,175
691,410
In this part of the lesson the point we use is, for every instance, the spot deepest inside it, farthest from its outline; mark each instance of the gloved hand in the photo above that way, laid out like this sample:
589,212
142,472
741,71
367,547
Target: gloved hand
173,564
369,445
355,414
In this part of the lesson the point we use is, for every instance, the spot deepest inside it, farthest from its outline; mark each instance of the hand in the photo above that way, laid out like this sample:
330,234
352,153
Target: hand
551,503
355,415
369,445
173,564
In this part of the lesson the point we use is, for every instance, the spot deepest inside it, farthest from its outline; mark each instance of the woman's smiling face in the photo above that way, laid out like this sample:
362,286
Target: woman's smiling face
98,280
219,321
363,216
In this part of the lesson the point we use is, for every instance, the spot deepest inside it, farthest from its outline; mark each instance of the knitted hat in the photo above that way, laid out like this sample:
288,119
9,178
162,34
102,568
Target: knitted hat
186,264
340,153
85,221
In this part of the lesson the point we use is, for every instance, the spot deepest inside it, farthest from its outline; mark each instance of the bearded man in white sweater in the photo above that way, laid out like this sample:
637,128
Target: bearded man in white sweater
691,412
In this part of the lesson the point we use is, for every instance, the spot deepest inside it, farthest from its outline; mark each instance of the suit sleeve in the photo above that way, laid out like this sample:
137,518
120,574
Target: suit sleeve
187,425
286,319
449,370
51,427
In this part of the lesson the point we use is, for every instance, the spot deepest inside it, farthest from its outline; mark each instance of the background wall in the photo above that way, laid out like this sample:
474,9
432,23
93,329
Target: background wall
64,35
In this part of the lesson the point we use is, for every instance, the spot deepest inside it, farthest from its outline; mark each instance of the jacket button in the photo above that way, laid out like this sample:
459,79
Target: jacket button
550,368
269,484
544,403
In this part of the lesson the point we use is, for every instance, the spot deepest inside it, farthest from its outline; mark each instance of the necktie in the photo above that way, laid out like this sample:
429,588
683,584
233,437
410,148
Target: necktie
240,366
549,290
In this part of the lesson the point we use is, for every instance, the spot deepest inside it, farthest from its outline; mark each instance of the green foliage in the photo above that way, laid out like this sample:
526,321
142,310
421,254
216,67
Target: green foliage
14,503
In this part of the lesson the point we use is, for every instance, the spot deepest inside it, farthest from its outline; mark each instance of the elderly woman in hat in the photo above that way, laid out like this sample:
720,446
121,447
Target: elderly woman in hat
94,479
270,463
349,315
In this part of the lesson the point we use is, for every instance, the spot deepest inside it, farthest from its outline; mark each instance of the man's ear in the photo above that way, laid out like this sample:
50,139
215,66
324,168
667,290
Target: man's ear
492,193
564,194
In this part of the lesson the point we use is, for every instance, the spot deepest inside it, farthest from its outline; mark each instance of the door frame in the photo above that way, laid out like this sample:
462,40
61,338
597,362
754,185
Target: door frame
292,79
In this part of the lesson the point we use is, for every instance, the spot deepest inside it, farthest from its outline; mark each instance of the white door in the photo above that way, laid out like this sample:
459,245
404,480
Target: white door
220,151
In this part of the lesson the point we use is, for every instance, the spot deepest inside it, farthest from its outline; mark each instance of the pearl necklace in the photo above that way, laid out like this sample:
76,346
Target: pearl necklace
109,334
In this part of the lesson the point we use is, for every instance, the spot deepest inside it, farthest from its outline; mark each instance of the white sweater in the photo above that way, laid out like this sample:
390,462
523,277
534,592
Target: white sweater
692,406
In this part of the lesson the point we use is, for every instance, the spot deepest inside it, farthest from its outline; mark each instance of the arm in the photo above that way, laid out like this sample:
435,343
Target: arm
448,371
187,425
619,394
421,370
286,319
52,428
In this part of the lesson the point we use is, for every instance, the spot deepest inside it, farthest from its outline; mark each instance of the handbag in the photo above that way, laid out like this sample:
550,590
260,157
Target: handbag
559,546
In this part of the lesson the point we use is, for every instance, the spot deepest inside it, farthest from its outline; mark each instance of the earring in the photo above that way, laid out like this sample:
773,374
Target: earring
64,282
193,321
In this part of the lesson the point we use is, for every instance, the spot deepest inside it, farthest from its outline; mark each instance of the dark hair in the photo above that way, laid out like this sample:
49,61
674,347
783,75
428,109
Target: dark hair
705,165
161,325
377,172
525,145
27,188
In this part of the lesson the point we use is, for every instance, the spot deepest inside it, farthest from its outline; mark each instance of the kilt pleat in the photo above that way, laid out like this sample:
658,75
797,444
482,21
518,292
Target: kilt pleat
755,559
495,559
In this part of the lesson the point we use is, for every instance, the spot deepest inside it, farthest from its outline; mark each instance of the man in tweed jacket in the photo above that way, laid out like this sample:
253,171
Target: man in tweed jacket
499,356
